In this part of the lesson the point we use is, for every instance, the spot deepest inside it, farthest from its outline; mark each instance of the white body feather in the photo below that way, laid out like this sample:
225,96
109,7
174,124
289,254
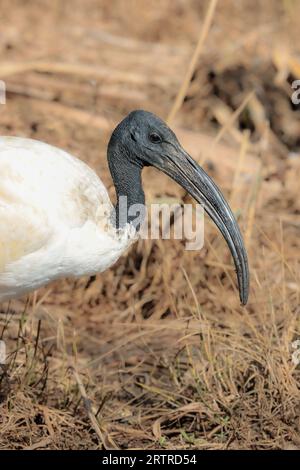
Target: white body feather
55,218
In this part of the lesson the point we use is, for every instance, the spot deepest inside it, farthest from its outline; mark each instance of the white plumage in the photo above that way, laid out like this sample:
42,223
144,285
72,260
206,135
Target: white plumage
55,218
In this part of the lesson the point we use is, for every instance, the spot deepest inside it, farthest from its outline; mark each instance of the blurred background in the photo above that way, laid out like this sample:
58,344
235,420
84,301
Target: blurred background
159,343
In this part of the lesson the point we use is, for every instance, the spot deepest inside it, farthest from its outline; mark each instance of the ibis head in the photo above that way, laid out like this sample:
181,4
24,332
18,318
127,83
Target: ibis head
143,139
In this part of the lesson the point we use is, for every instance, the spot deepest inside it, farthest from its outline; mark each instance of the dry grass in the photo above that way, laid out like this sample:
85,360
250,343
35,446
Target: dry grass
157,352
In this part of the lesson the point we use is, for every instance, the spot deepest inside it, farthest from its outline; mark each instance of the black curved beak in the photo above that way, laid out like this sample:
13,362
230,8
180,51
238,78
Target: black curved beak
180,166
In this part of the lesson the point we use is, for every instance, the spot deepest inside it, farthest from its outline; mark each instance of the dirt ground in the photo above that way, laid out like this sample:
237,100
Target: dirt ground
157,353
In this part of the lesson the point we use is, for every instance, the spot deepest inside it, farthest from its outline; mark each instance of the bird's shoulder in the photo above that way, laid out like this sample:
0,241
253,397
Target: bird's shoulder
44,191
46,177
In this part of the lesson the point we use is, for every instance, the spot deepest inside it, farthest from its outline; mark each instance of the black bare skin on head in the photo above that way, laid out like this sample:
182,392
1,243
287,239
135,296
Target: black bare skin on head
139,140
143,139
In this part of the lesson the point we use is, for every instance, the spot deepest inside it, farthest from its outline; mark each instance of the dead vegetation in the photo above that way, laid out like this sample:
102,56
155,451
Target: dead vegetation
157,352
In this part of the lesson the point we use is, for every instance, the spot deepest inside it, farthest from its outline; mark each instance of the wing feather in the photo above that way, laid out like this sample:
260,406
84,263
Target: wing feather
43,190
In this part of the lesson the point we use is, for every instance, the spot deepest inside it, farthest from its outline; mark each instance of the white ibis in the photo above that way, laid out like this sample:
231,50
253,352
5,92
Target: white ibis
56,218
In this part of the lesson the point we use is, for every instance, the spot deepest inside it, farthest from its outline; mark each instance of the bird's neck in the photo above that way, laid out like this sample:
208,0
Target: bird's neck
127,178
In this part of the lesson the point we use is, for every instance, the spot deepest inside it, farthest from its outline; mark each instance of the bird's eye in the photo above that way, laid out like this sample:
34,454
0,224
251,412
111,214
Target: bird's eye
155,138
132,137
